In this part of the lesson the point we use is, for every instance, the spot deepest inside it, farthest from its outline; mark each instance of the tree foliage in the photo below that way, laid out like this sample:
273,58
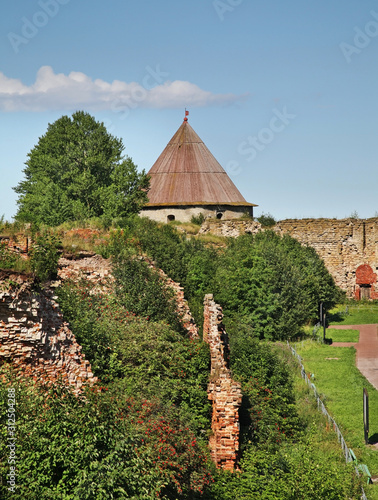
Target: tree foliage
274,284
76,171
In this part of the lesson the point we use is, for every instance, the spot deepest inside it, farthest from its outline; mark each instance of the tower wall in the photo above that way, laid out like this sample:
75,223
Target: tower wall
186,212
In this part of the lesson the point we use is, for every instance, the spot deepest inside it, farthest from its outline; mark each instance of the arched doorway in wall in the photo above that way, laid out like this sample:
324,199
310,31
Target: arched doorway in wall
170,218
365,278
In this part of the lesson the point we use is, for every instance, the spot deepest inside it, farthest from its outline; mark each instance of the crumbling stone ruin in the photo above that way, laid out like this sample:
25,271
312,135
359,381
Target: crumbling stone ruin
34,337
224,392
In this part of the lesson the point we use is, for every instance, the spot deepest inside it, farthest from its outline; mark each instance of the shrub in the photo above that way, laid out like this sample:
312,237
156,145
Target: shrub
198,219
267,220
100,446
44,257
8,259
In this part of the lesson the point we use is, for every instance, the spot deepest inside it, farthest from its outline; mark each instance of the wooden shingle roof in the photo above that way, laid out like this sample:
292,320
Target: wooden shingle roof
186,173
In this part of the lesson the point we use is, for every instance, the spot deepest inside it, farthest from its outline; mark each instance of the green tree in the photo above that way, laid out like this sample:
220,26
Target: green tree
274,284
76,171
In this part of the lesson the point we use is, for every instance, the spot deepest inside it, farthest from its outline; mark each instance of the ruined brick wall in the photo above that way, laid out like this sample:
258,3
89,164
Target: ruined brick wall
34,337
224,392
344,245
182,306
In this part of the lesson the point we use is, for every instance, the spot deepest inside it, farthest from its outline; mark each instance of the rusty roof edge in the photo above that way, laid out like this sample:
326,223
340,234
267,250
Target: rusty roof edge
196,203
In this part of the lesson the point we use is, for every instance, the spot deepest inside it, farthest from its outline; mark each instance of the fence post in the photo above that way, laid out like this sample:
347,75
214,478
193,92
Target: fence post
366,415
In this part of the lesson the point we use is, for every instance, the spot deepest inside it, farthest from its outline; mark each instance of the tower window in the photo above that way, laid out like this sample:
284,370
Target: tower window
170,218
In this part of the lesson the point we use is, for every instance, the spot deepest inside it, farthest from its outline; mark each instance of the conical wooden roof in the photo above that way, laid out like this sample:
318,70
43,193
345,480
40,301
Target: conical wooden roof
186,173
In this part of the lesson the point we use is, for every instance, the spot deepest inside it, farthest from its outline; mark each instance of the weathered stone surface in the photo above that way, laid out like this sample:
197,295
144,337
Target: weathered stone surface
230,228
35,338
224,392
343,244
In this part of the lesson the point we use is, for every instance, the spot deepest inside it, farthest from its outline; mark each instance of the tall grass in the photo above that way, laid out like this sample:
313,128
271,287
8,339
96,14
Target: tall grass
341,385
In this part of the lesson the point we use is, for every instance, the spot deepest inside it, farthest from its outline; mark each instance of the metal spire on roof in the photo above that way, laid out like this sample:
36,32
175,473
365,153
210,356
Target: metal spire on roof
186,115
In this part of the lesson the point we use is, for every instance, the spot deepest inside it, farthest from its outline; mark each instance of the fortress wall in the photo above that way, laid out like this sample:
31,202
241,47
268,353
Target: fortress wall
349,247
345,245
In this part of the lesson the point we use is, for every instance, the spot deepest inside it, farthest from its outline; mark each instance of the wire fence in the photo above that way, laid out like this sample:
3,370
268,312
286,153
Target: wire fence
321,407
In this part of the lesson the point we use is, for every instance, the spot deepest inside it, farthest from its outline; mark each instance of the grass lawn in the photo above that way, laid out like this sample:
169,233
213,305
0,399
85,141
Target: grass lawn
340,385
360,313
342,335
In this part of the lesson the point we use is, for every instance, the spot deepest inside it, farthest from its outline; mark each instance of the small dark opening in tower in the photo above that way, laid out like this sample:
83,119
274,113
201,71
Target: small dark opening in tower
170,218
219,215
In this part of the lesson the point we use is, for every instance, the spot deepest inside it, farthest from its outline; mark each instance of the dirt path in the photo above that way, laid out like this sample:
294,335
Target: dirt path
366,350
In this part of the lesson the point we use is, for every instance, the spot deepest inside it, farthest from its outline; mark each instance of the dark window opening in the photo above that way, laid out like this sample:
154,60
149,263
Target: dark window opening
170,218
219,215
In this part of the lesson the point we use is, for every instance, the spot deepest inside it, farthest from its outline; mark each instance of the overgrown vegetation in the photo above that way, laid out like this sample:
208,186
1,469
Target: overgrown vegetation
267,220
142,432
268,282
11,260
44,256
198,219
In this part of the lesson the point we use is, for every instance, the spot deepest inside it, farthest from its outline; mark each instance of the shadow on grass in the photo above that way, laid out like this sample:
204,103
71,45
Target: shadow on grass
336,317
373,439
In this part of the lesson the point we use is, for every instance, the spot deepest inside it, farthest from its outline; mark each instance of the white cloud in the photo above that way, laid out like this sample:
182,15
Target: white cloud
53,91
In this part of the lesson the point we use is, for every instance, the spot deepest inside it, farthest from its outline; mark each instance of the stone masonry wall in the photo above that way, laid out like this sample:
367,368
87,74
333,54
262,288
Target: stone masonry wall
224,392
34,337
344,245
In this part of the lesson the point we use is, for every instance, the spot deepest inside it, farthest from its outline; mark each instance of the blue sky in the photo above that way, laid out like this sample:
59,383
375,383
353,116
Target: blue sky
284,94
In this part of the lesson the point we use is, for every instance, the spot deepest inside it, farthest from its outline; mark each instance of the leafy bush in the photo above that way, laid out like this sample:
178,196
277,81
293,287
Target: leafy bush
268,413
188,262
289,473
198,219
44,257
138,355
8,259
100,446
267,220
141,290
